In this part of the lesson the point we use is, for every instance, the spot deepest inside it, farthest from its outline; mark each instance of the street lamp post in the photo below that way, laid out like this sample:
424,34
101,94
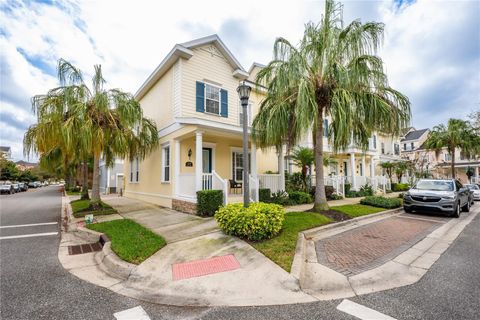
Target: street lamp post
244,93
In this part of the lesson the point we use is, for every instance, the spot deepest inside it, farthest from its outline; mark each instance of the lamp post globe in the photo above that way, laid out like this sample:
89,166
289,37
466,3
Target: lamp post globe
244,94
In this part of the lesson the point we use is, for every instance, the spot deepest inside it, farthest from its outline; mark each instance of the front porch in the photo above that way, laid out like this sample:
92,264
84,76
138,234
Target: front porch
209,159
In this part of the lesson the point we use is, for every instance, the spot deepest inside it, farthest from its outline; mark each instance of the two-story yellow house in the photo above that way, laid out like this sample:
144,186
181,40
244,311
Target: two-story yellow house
192,97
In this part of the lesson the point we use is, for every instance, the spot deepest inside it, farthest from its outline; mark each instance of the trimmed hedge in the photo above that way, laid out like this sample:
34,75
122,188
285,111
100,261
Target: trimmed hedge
400,187
299,197
264,194
208,201
257,222
382,202
329,191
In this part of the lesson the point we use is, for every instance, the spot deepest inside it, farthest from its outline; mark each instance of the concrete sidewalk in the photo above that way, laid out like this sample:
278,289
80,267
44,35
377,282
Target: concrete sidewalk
333,203
258,281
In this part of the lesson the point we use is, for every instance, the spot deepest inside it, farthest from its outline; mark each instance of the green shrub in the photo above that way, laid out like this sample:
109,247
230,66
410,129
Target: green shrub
264,194
367,190
280,197
348,186
294,182
208,201
382,202
257,222
299,197
335,197
400,187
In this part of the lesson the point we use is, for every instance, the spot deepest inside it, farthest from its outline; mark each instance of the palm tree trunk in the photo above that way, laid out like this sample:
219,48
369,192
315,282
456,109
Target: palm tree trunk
453,163
95,202
320,197
85,181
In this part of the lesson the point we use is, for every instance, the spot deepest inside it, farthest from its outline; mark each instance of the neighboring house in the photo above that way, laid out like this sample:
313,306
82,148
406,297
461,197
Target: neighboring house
6,152
192,97
111,178
24,165
412,142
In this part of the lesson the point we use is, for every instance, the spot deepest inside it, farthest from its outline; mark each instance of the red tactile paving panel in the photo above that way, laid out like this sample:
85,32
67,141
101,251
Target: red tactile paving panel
203,267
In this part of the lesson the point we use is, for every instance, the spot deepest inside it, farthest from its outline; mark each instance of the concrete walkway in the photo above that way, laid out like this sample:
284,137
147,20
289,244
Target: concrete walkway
333,203
258,281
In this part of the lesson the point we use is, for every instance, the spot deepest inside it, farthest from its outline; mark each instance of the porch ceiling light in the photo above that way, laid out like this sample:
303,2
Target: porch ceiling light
244,93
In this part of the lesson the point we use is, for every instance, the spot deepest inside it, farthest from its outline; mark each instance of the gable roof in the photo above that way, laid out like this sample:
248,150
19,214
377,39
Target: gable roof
414,135
184,50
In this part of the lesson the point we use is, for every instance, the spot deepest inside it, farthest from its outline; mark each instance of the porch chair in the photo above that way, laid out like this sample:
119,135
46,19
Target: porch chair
235,185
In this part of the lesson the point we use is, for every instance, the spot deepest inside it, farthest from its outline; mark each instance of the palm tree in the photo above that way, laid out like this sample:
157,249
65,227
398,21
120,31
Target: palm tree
388,166
93,122
333,73
303,158
458,134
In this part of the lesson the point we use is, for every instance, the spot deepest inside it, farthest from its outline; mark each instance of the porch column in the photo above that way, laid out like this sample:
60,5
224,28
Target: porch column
281,169
177,167
364,168
253,159
198,160
372,168
354,170
107,187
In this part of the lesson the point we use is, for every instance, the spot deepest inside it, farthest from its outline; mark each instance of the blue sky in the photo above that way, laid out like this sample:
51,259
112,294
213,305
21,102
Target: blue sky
431,49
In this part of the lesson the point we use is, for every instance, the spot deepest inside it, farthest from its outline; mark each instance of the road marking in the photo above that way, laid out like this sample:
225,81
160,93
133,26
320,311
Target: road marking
30,235
136,313
361,312
29,225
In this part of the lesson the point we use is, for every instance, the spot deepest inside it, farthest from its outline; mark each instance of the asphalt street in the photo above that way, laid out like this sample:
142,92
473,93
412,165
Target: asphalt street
34,285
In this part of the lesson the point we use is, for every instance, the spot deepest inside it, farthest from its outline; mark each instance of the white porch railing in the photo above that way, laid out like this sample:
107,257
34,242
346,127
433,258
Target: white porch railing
270,181
186,185
253,187
220,184
207,181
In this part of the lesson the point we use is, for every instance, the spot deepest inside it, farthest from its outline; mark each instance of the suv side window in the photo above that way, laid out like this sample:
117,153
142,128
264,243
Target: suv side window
458,184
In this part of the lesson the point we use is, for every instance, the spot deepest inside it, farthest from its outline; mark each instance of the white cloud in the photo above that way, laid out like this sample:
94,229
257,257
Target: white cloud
431,48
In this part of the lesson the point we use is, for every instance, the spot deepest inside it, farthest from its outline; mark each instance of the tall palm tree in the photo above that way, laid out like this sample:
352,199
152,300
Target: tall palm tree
458,134
94,121
334,72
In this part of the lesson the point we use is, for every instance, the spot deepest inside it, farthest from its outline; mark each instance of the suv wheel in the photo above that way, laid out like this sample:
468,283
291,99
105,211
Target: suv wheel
466,207
456,211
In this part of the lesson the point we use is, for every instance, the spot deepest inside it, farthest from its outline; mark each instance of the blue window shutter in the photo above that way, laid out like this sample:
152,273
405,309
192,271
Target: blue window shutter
325,127
224,99
200,96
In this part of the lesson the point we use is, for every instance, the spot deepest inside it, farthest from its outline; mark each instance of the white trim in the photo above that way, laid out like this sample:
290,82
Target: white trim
164,146
169,129
212,146
210,123
177,52
240,74
177,166
149,194
116,181
217,86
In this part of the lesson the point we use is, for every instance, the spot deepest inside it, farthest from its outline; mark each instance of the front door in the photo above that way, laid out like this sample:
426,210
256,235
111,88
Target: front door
207,160
345,168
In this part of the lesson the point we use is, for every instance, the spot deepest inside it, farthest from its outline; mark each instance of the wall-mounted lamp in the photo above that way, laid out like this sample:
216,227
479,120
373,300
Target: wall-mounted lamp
189,153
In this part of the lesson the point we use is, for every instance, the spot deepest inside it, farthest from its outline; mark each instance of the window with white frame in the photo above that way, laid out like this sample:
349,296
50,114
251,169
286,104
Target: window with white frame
249,114
448,157
134,170
212,99
166,163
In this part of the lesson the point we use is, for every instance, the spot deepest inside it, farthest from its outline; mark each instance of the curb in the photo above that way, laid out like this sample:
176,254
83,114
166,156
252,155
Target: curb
107,260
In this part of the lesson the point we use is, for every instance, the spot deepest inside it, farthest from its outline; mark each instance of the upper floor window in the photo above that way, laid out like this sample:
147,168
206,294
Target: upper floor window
412,145
212,99
396,149
448,157
166,163
383,148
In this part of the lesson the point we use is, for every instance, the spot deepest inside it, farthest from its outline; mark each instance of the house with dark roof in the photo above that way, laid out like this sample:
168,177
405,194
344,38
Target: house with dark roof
6,152
413,139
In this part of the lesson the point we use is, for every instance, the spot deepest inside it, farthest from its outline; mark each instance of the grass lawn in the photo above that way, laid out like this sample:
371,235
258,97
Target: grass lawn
74,193
357,210
130,241
81,207
281,249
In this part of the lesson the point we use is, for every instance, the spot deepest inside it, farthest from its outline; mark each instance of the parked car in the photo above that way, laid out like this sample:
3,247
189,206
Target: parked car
6,187
23,186
446,196
16,187
475,190
32,184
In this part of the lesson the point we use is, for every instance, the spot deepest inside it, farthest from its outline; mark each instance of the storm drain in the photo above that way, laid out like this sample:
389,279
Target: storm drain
84,248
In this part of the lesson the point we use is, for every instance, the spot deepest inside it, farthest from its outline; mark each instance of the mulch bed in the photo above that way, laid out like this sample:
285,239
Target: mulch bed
334,215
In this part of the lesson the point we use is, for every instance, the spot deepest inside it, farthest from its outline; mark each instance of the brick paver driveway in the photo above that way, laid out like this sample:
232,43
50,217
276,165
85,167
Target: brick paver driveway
369,246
